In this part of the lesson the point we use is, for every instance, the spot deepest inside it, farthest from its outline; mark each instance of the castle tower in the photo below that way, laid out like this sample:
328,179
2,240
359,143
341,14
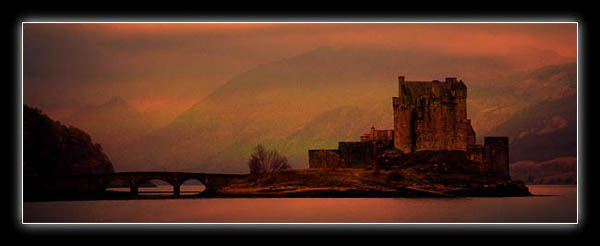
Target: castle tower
495,156
403,115
431,115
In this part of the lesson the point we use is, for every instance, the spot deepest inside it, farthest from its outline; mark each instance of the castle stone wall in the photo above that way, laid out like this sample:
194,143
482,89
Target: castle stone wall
403,126
325,158
357,154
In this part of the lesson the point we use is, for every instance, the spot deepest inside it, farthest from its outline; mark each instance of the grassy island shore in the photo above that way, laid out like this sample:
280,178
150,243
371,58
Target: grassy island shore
411,182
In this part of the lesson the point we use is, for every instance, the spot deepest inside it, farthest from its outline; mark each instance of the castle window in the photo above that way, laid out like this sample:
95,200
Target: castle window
420,115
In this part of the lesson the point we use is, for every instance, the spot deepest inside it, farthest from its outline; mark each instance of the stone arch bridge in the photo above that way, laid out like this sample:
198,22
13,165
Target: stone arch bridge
94,183
134,180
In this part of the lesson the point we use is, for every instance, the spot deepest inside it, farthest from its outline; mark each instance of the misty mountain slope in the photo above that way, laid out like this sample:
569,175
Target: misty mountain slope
528,58
548,82
346,123
561,170
544,131
537,110
502,98
113,124
274,101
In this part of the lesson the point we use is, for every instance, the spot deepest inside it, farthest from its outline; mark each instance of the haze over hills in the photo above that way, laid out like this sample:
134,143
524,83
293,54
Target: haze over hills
327,95
561,170
537,110
543,128
543,131
507,96
113,124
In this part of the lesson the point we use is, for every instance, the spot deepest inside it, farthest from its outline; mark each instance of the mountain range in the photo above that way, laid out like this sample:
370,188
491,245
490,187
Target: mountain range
315,99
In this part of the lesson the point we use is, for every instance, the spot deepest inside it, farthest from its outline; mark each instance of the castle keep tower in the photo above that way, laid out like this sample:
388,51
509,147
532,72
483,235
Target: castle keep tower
431,115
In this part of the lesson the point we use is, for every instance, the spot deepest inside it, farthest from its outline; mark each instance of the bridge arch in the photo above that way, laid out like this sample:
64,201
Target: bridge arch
161,185
192,185
136,182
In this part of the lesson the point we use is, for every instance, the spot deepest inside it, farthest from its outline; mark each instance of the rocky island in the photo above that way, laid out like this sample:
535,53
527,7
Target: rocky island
360,183
423,174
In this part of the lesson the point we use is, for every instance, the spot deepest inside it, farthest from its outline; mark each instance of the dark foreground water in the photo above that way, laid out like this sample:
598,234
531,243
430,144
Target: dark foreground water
559,206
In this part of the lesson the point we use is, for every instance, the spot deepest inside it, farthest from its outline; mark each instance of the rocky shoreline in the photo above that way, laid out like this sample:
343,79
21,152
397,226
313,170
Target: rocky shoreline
508,189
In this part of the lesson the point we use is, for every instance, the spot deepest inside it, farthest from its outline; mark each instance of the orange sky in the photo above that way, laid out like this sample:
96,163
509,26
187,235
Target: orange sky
69,65
460,38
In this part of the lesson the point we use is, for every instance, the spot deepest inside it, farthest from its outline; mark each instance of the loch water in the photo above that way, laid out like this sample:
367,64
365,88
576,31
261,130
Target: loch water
551,204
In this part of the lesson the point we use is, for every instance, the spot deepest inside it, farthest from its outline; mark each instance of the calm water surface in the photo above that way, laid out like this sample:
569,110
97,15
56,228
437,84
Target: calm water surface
560,206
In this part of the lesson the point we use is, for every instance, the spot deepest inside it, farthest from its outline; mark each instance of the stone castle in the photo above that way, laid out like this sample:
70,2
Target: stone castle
428,115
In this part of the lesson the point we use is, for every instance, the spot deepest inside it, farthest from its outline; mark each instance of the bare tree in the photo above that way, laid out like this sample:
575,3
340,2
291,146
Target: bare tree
266,161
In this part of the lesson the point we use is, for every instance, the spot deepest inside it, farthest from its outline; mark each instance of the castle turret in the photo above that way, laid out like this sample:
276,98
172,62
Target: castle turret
400,85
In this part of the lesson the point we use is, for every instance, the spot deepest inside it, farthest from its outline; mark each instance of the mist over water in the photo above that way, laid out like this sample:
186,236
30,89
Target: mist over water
559,206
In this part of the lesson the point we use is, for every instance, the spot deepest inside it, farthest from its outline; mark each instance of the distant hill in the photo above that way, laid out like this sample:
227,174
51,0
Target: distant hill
543,131
325,130
561,170
52,149
113,124
510,96
293,102
528,58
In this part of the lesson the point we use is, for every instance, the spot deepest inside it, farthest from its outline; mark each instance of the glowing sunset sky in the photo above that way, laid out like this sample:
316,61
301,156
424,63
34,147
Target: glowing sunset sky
174,65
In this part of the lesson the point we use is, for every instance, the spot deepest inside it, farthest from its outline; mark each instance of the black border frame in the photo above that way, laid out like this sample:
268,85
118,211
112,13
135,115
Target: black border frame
585,86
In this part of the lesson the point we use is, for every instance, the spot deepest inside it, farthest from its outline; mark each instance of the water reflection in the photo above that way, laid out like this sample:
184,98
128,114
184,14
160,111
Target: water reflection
161,188
192,187
560,206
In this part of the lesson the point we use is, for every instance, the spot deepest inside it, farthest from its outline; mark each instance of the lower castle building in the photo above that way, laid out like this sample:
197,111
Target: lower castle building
428,115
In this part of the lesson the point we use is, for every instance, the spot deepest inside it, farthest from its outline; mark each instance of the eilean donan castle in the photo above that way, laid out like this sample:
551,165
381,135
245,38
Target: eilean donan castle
428,116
